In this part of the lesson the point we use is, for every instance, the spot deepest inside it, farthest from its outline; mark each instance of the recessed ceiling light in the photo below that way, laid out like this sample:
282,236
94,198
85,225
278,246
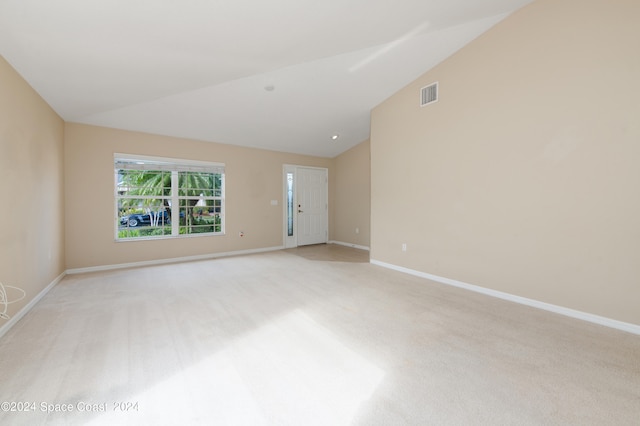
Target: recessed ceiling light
335,137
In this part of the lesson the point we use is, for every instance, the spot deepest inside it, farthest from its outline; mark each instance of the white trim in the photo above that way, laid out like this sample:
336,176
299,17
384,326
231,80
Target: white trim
170,260
340,243
167,161
596,319
26,308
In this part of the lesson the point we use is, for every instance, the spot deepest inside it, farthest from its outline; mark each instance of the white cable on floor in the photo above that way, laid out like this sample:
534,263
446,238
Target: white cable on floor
5,302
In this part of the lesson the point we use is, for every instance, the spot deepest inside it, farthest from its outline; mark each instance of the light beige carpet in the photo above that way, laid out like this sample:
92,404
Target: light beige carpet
310,336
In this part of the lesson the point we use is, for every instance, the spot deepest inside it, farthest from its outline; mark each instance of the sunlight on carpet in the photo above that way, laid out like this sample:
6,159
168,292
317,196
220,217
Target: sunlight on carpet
289,371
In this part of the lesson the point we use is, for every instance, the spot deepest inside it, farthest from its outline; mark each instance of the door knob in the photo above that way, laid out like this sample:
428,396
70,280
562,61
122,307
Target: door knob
300,211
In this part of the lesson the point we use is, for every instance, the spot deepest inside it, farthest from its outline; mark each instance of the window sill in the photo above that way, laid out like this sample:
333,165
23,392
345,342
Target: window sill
169,237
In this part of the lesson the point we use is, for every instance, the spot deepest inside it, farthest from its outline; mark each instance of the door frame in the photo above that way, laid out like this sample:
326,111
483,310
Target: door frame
292,241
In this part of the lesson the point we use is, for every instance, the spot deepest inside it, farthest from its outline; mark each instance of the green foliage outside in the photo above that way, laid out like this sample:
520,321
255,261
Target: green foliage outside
154,189
144,232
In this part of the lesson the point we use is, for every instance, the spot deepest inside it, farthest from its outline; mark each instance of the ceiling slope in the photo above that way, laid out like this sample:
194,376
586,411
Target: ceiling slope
284,75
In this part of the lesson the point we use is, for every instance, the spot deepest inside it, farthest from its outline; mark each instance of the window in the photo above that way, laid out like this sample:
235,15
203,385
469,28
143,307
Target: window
289,204
159,197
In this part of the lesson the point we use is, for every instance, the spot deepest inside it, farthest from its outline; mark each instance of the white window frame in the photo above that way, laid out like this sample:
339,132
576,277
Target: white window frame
142,162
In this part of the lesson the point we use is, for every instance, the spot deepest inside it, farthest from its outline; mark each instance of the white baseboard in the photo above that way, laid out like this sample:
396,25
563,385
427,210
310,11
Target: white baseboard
26,308
607,322
596,319
170,260
340,243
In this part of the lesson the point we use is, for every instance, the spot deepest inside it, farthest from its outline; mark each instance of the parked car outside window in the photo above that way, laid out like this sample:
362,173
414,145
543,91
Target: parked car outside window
134,220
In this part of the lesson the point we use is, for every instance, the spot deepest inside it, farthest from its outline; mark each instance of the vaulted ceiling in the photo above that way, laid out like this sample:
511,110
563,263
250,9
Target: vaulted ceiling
283,75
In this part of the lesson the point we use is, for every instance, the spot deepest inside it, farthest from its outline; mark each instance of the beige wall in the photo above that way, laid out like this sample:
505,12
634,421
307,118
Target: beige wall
31,184
523,178
253,178
352,196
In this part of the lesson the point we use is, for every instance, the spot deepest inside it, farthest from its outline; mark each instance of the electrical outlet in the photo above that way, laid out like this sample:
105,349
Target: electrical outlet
357,230
404,246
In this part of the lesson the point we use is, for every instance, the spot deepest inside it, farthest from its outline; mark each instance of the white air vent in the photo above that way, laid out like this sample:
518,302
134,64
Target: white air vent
429,94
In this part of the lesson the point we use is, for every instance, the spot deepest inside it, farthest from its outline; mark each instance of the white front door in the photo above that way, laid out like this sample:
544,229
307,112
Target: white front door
311,190
310,206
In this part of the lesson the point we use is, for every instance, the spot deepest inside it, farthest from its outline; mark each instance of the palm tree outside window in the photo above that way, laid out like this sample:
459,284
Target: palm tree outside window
158,198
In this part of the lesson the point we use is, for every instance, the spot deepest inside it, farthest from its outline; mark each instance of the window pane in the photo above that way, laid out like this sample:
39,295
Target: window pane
143,217
200,184
198,216
290,204
144,182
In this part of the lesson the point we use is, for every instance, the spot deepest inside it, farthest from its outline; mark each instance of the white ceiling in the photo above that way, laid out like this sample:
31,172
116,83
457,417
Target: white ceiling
198,68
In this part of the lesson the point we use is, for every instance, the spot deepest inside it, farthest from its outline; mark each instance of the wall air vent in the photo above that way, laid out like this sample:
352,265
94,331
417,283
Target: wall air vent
429,94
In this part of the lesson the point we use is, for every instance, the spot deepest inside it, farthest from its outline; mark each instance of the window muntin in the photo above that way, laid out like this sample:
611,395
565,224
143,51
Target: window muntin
147,189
